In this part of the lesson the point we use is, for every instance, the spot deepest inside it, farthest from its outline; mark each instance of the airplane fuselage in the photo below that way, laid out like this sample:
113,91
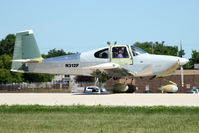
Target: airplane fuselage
142,65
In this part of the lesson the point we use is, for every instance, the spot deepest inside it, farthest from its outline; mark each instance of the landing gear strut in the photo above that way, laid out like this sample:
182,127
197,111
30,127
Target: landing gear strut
96,81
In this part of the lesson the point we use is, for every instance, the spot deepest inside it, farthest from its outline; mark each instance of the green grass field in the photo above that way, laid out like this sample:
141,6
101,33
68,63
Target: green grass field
70,119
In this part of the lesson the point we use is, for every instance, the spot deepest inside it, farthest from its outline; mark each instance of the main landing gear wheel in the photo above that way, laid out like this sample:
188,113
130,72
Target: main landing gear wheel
131,88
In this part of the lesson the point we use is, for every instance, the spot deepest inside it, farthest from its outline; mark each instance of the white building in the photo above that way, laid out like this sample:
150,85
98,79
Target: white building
63,79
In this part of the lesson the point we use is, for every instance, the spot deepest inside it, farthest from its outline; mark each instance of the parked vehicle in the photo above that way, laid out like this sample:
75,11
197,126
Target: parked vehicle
193,91
95,90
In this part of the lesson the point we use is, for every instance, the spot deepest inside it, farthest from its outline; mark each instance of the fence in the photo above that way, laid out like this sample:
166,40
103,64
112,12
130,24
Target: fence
44,87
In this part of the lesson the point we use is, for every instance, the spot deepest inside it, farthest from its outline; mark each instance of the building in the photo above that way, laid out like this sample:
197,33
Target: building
191,79
62,81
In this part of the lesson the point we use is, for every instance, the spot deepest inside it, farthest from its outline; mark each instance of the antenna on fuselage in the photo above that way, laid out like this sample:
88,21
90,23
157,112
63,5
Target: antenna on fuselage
109,43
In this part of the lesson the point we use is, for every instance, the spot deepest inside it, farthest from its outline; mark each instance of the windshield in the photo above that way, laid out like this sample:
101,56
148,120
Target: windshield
137,51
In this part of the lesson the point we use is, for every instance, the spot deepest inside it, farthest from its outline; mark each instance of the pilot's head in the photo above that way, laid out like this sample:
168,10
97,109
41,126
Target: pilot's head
121,51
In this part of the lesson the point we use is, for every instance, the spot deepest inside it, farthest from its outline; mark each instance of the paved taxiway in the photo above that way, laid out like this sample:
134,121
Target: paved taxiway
111,99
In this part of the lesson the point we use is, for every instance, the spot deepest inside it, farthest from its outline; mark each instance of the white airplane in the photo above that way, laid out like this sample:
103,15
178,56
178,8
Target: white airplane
117,61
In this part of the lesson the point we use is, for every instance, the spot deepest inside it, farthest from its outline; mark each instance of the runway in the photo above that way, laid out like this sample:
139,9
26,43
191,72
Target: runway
110,99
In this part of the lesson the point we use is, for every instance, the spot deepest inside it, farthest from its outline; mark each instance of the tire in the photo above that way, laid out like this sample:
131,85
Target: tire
132,88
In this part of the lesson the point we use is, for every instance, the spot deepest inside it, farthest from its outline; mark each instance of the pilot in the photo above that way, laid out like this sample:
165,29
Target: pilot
120,55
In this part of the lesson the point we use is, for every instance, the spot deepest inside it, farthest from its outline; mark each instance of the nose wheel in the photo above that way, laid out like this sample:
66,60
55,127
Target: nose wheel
170,88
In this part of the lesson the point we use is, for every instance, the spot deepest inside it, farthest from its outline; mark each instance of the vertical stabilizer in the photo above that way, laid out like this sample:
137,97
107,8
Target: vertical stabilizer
25,48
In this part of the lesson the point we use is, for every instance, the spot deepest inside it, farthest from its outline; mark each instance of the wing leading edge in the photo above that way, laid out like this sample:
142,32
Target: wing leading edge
116,70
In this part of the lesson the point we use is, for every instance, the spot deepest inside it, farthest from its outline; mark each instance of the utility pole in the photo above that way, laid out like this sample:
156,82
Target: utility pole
152,48
180,48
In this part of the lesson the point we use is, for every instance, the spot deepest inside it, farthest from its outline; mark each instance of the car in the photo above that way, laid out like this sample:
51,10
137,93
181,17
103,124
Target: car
95,90
148,91
193,91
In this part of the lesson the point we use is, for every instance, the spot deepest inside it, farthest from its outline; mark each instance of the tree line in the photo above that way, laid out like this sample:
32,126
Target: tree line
7,48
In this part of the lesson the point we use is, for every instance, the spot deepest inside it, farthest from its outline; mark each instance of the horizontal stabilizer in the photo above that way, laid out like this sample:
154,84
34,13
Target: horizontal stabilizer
37,60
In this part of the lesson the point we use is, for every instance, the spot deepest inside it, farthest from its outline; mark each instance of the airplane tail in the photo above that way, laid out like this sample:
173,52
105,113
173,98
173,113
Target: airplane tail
25,51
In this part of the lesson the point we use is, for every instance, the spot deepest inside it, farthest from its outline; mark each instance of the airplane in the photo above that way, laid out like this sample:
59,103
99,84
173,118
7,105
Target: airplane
117,61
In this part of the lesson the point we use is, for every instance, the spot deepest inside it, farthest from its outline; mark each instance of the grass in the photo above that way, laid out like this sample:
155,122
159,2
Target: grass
77,119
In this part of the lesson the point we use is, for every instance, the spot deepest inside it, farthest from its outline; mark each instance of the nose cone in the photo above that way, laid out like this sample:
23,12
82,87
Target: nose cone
183,61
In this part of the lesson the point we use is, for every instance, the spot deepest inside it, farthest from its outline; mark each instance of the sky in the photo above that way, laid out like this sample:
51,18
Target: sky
82,25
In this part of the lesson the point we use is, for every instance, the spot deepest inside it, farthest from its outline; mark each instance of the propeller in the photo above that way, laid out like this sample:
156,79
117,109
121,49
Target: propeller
181,65
182,75
182,61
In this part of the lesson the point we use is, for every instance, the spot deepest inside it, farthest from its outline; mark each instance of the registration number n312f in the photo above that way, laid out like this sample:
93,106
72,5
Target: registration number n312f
71,65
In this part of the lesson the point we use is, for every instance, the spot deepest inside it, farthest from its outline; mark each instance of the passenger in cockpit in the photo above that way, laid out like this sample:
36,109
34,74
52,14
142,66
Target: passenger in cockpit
120,55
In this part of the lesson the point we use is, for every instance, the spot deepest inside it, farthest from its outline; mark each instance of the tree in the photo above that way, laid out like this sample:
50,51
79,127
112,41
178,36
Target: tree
17,77
43,56
6,76
7,45
54,53
37,77
193,60
159,48
181,53
146,46
84,79
5,61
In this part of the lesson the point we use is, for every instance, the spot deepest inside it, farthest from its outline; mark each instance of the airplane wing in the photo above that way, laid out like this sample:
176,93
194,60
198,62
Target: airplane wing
112,69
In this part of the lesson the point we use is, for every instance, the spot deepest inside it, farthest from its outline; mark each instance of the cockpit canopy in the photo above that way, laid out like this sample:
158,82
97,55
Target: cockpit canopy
102,53
120,51
137,51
